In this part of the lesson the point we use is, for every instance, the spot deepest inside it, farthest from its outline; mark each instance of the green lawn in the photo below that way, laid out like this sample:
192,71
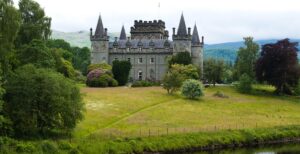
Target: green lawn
127,112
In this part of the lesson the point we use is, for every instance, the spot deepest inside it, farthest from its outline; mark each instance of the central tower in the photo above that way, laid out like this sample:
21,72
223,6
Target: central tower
148,30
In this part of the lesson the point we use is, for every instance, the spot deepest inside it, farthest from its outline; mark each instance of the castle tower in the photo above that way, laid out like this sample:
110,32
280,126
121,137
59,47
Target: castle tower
123,34
182,40
197,49
99,52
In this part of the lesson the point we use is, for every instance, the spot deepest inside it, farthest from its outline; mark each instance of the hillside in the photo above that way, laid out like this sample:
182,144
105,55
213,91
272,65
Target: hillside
226,51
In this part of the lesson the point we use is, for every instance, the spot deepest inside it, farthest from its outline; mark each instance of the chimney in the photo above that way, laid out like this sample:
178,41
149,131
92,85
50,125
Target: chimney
91,32
202,40
174,31
189,31
105,31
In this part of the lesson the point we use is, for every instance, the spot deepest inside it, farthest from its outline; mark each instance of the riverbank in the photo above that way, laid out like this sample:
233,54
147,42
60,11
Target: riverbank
194,141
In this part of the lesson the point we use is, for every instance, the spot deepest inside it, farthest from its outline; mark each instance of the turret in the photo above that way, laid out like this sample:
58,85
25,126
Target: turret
99,53
182,40
123,34
197,50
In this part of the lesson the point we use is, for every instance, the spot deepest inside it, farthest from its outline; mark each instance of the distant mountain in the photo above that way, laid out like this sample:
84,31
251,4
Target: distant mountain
226,51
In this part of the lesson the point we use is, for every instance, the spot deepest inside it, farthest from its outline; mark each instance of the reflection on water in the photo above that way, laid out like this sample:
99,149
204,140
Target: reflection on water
272,149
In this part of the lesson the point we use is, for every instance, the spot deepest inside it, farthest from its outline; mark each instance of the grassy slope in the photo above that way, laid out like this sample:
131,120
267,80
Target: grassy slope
133,111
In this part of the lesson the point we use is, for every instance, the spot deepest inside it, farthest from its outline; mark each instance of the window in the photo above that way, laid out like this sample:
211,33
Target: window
151,60
116,58
140,60
140,75
140,49
128,59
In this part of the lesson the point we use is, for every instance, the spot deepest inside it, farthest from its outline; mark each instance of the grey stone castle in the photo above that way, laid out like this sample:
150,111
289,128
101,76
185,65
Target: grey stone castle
148,47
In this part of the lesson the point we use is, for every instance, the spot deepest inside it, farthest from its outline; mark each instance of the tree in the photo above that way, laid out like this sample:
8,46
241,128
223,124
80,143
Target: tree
214,70
40,101
278,65
192,89
35,24
246,58
172,81
245,84
183,58
121,71
9,27
36,53
187,71
81,59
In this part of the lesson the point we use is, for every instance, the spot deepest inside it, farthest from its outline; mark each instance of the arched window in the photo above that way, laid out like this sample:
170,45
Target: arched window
140,75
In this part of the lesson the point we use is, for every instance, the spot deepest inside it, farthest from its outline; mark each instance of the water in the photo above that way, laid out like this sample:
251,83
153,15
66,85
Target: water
292,148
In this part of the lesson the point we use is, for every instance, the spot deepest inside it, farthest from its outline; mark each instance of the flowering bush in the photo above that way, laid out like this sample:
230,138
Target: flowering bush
100,78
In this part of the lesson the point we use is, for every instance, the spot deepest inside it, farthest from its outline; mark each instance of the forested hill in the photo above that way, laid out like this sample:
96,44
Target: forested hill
226,51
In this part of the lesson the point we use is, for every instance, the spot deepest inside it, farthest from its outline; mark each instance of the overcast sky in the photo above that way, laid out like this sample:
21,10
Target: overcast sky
218,20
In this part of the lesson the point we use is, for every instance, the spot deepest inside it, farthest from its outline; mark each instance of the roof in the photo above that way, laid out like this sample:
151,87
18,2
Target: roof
123,34
158,43
99,33
195,36
182,27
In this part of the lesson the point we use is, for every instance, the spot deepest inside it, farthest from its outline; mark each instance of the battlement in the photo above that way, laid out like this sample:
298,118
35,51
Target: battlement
149,30
153,23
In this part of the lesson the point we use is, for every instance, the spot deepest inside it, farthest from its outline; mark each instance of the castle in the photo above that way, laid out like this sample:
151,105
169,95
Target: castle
148,47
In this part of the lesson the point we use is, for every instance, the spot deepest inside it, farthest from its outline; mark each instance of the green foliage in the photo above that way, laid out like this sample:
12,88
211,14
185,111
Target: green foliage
100,78
144,84
103,66
67,69
36,53
297,89
121,70
9,27
187,71
192,89
214,70
245,84
46,101
49,147
246,58
34,25
172,81
25,148
183,58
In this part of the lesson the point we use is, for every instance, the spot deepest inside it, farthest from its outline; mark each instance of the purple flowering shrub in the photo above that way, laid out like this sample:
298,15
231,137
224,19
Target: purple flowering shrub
100,78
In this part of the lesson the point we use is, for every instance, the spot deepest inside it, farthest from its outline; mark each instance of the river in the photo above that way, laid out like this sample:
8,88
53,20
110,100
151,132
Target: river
291,148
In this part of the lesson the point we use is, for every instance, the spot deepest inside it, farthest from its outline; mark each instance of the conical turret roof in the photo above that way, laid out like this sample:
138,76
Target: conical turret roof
195,36
123,34
182,27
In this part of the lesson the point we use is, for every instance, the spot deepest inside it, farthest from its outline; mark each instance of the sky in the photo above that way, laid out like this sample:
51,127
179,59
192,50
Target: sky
217,20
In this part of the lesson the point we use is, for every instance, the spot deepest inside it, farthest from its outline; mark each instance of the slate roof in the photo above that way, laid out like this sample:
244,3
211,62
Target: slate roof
123,34
99,33
182,27
158,43
195,36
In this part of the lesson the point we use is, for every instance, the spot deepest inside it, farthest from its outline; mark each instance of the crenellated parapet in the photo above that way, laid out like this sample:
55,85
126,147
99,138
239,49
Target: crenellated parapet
149,30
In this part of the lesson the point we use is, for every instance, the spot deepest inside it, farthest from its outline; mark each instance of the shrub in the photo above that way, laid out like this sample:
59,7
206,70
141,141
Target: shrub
63,145
245,84
102,66
297,89
142,84
40,101
100,78
220,94
172,81
25,148
121,71
49,147
192,89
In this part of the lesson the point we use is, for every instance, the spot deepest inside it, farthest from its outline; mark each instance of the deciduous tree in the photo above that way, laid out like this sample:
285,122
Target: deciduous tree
278,65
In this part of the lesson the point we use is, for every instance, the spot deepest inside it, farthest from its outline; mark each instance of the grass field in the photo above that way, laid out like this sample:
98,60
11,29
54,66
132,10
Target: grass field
127,112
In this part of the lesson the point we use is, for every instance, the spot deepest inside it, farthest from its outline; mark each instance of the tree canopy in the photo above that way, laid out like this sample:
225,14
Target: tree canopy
278,65
246,58
41,101
214,70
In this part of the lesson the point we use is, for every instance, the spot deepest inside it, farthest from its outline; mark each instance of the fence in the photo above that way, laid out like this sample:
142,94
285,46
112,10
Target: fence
114,133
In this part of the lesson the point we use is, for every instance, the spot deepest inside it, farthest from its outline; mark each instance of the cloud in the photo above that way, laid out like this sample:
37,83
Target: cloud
217,20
